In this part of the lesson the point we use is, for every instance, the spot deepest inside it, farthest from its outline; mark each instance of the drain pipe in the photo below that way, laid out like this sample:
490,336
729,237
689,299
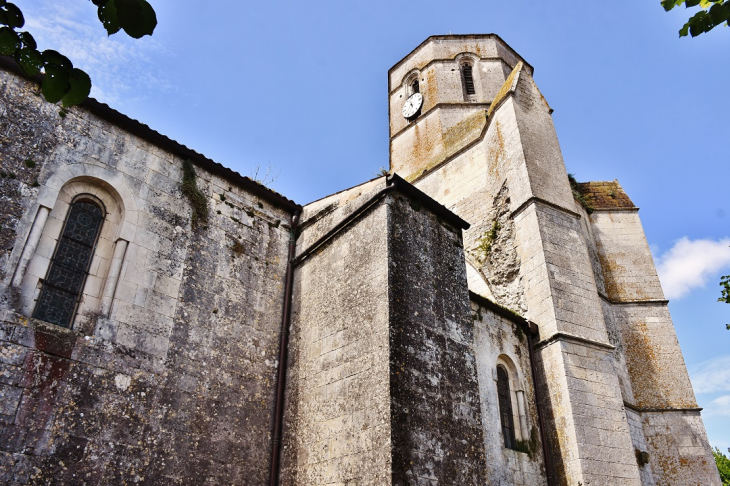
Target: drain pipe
540,418
283,351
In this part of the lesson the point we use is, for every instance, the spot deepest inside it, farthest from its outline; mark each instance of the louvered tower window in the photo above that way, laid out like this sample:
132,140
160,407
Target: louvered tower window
468,79
415,88
70,264
505,408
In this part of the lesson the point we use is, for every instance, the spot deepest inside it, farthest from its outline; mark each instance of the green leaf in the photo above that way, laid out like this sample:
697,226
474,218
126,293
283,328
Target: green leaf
11,16
27,40
697,23
9,41
108,15
55,84
30,61
684,31
52,57
705,4
99,3
670,4
137,17
718,14
691,3
80,87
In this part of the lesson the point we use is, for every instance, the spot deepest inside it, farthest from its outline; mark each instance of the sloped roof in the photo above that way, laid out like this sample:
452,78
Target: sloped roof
154,137
605,195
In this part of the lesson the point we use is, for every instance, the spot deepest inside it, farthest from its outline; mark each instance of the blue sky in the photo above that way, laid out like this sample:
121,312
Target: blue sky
302,87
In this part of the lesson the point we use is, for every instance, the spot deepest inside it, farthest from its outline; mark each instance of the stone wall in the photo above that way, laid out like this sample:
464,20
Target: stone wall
501,341
337,422
648,359
173,381
382,386
435,402
679,452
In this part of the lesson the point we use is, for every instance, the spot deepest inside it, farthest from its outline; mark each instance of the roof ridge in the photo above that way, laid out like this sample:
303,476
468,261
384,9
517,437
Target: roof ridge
144,131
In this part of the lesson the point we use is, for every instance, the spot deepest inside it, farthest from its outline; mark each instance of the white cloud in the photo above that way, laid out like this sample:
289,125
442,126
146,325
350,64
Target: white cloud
690,263
712,376
719,407
120,67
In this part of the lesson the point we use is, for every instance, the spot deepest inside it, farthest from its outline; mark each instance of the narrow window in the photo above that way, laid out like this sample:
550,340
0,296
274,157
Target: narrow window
505,408
70,264
415,88
468,79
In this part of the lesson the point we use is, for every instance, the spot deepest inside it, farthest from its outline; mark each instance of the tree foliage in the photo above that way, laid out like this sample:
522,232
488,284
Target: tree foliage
712,13
723,465
725,284
725,293
62,81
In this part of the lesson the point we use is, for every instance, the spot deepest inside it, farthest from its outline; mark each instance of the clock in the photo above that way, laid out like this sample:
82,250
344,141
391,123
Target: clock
413,105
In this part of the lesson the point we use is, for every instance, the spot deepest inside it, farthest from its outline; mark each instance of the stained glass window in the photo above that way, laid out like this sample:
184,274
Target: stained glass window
505,408
70,264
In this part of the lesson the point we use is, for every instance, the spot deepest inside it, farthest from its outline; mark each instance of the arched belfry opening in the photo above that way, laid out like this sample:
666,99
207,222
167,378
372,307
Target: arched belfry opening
467,77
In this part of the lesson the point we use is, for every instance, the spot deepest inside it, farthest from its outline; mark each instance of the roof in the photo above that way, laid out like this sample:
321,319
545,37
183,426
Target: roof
154,137
508,314
457,37
605,195
408,189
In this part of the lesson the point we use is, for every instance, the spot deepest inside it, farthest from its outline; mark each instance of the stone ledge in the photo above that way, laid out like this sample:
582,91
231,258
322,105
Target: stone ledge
564,336
633,302
638,409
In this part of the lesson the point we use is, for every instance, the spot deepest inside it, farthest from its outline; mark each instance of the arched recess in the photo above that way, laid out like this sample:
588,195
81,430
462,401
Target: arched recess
468,72
412,83
117,231
517,395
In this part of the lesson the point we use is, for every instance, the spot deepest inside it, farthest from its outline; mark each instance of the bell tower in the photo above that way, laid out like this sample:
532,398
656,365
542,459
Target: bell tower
481,141
470,128
439,95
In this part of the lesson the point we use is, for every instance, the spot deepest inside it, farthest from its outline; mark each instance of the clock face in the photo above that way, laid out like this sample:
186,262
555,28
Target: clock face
412,105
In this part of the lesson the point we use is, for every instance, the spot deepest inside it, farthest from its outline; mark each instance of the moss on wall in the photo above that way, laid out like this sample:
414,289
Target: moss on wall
196,198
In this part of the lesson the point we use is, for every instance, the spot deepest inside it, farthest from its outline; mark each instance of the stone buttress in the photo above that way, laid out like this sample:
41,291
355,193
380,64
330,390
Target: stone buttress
382,386
657,393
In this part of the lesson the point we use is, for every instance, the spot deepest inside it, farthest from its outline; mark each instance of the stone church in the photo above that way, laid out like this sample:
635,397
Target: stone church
475,317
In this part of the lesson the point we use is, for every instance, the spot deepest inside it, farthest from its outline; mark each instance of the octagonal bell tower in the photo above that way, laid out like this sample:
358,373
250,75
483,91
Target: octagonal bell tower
458,77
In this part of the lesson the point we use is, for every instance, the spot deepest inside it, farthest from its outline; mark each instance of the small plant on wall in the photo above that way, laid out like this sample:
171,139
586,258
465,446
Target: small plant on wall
486,242
580,197
196,198
237,248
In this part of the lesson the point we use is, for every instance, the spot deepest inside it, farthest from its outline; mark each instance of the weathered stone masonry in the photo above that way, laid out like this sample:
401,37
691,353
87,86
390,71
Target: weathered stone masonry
176,384
476,324
587,281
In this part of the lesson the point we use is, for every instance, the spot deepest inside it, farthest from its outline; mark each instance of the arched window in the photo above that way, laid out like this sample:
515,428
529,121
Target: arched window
468,79
415,87
505,408
69,266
